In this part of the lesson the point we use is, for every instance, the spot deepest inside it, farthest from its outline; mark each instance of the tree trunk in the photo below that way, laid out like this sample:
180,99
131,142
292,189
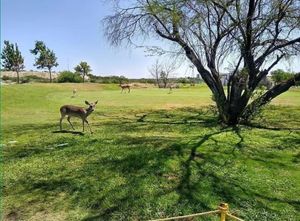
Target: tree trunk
18,77
231,113
83,77
237,108
49,69
165,83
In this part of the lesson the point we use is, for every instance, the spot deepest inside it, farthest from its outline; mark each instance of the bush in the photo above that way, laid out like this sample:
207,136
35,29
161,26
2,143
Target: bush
108,79
69,76
6,78
279,76
24,80
34,78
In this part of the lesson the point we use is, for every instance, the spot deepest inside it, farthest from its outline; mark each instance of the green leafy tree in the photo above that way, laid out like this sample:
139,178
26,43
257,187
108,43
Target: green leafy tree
83,68
45,57
280,76
68,76
255,34
12,59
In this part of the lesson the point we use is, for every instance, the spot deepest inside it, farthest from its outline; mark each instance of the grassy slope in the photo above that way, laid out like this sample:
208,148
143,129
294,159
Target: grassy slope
177,160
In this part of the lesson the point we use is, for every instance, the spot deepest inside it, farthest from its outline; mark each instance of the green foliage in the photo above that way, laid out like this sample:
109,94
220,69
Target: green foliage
110,79
83,68
143,80
45,57
183,80
256,111
5,78
68,76
11,57
279,76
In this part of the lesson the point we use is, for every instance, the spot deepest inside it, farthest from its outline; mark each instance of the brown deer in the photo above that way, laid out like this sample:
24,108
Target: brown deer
79,112
172,86
125,86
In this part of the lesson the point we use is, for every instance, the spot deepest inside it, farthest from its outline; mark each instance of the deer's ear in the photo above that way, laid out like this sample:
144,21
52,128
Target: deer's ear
87,103
96,102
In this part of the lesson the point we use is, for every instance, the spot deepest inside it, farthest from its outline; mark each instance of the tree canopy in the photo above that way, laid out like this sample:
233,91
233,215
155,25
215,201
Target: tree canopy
83,68
255,35
45,57
280,76
12,58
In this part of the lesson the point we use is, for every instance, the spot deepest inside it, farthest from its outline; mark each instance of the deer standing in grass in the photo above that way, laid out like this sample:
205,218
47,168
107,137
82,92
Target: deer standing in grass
125,86
74,92
79,112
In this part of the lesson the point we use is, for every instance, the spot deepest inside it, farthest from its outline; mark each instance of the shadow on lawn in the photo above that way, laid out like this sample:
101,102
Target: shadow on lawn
214,173
68,132
159,175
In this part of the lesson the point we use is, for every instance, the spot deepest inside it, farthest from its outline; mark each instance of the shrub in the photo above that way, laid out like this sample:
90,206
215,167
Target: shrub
69,76
6,78
24,80
33,78
279,76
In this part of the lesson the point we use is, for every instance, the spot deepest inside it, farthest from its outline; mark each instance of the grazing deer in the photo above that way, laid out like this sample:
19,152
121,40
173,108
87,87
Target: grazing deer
172,86
79,112
124,86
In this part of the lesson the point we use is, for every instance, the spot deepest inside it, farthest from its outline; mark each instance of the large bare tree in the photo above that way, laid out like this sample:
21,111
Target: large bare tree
155,71
254,34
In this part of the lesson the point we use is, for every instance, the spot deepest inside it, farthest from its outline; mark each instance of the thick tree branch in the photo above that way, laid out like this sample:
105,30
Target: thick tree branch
272,93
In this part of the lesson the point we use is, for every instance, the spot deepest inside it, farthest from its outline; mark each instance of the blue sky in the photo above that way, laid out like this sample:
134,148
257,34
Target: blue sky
73,29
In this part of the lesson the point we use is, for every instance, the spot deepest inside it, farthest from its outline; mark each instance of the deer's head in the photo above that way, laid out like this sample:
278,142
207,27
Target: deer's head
91,107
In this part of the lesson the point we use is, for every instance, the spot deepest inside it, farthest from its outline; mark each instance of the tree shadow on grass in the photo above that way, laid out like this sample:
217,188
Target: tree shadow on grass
159,175
137,167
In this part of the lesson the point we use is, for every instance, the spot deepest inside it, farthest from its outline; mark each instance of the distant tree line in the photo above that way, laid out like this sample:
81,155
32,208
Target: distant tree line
162,74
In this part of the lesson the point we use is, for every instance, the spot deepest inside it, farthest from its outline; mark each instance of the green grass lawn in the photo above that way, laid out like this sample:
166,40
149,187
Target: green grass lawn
152,155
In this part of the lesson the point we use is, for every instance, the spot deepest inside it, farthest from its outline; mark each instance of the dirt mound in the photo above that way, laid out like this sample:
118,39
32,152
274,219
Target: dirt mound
141,85
29,73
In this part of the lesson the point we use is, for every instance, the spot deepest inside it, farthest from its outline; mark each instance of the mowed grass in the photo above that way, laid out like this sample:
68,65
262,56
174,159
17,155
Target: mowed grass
152,154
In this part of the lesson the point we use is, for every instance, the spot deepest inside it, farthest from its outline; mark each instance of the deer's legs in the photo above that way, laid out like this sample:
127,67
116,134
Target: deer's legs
89,126
83,125
129,90
70,122
60,121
